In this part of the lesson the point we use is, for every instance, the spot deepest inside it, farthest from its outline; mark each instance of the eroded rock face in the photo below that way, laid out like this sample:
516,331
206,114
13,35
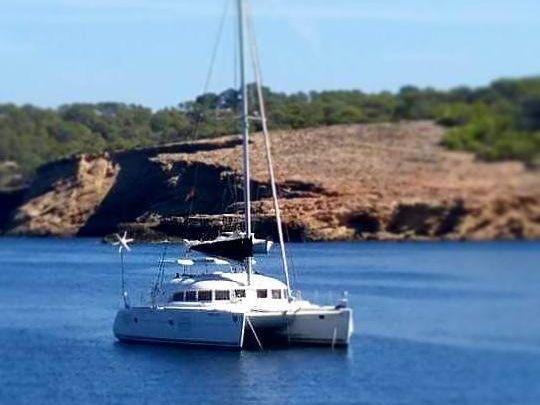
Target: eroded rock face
425,219
64,196
383,181
507,217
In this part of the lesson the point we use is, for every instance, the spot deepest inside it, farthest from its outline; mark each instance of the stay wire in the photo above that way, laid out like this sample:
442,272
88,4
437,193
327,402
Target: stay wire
267,142
209,74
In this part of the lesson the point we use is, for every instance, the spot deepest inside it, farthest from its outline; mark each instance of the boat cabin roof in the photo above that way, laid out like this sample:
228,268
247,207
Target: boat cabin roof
224,281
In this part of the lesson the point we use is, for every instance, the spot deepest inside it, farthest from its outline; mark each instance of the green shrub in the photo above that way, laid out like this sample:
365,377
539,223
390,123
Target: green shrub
499,121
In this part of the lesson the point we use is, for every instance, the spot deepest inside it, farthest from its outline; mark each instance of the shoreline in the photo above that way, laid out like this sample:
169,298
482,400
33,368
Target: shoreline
105,240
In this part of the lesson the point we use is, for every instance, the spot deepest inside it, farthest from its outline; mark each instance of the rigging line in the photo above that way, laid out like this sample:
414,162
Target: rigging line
258,80
216,46
209,73
294,273
162,274
290,256
159,278
236,57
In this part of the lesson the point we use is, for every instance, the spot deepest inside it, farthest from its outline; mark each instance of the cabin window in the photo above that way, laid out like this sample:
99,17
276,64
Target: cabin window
205,295
262,293
179,296
285,294
240,293
276,294
191,296
223,295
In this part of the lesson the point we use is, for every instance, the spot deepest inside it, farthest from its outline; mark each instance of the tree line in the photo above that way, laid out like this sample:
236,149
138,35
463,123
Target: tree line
498,121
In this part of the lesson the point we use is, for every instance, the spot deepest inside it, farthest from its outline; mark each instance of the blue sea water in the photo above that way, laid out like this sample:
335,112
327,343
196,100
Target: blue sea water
435,323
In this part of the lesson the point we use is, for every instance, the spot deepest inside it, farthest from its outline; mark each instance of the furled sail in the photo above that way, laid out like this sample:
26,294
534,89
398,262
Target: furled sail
235,247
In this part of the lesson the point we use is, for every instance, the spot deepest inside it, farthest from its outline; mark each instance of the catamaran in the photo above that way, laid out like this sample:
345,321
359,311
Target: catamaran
224,299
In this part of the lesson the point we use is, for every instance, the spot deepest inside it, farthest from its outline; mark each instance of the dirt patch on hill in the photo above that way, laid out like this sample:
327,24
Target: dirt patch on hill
380,181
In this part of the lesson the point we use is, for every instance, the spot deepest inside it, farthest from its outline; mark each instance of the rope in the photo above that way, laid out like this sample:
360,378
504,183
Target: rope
254,333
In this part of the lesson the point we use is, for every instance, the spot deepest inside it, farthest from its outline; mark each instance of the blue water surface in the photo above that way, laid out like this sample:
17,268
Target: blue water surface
435,323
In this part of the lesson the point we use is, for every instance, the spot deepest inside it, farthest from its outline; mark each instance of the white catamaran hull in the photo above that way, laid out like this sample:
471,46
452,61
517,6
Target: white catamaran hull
180,326
332,327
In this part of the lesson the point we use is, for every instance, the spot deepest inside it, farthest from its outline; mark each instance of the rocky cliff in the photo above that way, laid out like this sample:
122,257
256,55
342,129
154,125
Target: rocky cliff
381,181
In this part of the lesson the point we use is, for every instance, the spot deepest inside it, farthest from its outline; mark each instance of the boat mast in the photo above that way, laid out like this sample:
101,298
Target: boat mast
245,127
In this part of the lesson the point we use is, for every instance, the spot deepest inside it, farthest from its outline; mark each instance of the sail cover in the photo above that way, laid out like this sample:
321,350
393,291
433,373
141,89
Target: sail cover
234,248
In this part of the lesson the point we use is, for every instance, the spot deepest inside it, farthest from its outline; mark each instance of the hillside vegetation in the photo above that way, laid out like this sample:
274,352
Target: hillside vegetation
497,122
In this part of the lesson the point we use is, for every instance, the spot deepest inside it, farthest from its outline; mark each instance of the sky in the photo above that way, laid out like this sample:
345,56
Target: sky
157,52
